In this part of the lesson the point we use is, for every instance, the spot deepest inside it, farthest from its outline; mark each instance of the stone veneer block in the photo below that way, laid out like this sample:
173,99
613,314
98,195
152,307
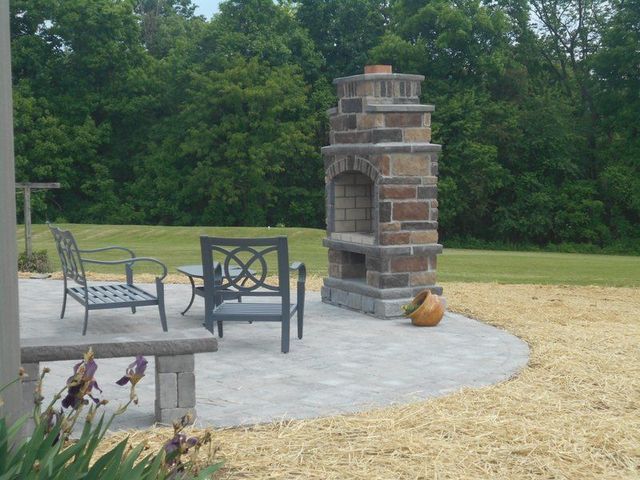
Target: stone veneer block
169,415
409,164
410,211
403,120
176,363
167,390
186,390
417,135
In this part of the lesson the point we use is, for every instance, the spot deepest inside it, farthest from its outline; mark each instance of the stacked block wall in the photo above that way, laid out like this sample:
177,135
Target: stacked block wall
352,203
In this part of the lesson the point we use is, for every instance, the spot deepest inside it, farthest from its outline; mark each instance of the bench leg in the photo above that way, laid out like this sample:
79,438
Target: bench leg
86,320
64,303
175,387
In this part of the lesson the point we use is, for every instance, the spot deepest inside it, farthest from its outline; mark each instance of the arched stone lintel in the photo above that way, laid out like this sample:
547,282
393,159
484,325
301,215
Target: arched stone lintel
352,164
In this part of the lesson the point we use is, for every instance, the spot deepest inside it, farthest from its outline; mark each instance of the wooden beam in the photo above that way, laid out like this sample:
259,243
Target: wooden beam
27,187
34,186
27,221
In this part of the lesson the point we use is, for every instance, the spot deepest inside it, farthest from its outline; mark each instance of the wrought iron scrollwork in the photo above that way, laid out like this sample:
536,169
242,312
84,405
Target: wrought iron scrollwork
249,275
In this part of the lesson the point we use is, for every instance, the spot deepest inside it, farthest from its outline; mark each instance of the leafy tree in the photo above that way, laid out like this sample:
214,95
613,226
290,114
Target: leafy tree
343,31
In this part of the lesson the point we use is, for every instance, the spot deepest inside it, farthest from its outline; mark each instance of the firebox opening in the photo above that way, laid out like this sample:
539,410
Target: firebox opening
355,268
353,208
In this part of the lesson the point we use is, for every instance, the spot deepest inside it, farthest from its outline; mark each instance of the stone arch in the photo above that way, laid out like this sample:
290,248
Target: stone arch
352,164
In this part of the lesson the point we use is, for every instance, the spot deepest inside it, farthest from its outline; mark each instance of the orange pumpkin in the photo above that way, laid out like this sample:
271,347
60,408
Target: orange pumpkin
429,311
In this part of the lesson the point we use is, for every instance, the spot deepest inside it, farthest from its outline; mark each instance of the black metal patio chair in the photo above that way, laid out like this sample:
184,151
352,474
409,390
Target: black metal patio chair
101,297
245,270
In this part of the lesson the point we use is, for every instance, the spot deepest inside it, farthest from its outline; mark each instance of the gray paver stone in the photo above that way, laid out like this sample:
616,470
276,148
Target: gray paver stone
167,390
186,390
169,415
325,293
390,308
368,304
176,363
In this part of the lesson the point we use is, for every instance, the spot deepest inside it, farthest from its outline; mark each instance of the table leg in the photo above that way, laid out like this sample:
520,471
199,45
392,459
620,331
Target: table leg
193,295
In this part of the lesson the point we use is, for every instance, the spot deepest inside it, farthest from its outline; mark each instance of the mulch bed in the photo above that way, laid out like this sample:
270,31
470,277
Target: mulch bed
572,413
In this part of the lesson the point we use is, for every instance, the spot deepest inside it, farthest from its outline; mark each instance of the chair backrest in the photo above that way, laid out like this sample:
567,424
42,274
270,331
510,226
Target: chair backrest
251,270
69,254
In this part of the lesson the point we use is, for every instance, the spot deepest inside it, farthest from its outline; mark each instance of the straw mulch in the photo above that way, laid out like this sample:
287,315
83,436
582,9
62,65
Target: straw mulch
573,413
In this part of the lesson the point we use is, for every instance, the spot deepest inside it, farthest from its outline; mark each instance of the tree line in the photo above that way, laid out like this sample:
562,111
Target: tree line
150,114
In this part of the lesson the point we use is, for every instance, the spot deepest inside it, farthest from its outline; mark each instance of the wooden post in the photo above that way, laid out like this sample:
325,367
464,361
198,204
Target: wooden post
9,321
27,187
27,221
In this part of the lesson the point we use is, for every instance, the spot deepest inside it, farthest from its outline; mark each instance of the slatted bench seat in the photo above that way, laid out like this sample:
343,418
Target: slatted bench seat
174,359
113,296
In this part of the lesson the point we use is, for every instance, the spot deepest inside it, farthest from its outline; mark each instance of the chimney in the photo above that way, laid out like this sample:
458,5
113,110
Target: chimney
381,193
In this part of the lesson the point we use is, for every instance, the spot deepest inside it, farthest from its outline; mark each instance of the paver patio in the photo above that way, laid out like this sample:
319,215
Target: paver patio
346,362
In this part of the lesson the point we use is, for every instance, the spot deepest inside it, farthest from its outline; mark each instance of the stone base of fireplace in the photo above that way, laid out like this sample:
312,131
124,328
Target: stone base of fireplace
357,295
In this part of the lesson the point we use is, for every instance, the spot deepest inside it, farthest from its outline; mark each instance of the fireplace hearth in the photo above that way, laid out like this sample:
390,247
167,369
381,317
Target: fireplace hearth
381,192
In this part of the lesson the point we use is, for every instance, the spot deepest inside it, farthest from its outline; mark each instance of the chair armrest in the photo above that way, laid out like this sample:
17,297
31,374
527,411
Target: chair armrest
302,271
104,249
129,261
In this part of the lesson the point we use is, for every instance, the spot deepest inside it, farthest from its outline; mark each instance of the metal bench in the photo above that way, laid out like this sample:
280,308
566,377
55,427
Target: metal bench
100,297
174,363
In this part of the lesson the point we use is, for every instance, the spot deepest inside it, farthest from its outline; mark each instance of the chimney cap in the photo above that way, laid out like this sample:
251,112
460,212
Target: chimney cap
369,69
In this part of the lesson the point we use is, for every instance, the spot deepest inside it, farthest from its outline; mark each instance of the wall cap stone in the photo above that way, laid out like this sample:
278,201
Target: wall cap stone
378,148
378,76
177,342
383,251
403,108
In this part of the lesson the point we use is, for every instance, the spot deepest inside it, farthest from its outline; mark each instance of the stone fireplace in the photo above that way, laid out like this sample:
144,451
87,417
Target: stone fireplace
381,193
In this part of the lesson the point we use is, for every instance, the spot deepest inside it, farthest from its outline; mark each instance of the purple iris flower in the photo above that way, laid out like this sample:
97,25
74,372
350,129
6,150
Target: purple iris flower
135,371
177,446
82,382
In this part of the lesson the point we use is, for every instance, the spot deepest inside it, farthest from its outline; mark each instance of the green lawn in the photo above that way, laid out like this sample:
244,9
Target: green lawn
180,245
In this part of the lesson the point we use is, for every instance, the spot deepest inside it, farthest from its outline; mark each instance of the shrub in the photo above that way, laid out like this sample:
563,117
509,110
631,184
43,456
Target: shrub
50,453
38,262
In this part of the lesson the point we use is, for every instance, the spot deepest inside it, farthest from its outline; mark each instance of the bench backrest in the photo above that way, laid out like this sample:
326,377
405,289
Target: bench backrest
72,267
249,255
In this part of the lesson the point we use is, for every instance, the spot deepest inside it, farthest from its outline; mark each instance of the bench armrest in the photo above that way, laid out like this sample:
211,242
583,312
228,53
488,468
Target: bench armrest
302,271
104,249
129,262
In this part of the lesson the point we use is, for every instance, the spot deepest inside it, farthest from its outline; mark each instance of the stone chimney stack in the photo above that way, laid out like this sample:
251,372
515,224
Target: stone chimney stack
381,193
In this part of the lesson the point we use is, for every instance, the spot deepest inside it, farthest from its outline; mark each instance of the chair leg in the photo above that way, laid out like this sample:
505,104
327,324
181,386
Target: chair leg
285,334
86,320
64,304
163,315
300,315
133,309
300,308
220,329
